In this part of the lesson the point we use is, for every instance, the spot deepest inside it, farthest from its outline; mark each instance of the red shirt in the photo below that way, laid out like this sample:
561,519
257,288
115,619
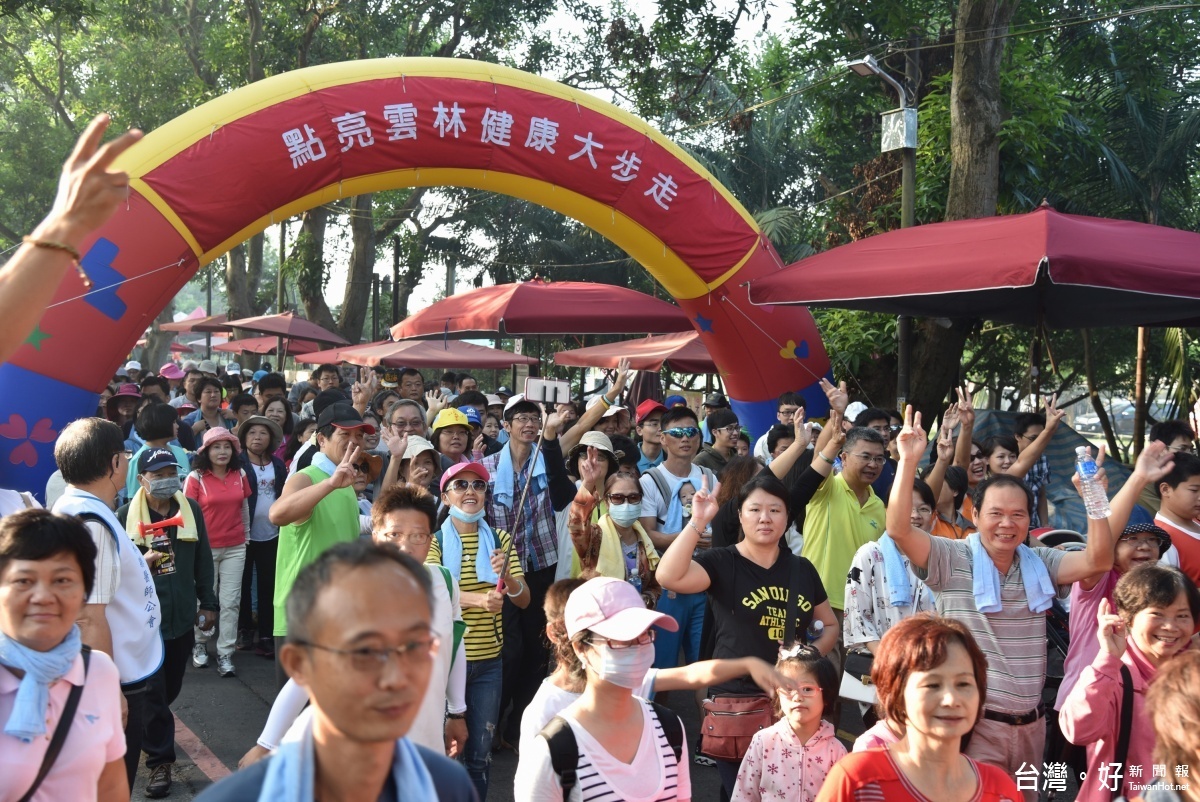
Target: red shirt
1185,544
221,501
872,776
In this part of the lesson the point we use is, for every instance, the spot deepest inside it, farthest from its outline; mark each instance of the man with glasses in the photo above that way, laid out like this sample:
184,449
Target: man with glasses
880,420
362,644
663,518
724,429
649,430
122,616
318,508
788,404
511,469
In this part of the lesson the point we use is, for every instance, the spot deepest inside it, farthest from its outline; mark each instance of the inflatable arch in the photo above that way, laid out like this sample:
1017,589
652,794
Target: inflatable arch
222,172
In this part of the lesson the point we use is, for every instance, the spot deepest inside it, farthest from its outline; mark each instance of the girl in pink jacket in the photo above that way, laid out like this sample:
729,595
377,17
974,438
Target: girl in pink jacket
789,761
1156,608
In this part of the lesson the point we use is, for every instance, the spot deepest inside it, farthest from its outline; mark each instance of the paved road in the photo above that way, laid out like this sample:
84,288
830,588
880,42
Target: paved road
218,719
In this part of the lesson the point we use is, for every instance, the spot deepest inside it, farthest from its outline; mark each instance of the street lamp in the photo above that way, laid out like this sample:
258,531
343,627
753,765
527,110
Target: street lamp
899,133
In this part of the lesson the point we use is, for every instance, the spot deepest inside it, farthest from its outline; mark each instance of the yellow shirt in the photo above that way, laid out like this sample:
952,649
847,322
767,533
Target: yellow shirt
485,631
835,526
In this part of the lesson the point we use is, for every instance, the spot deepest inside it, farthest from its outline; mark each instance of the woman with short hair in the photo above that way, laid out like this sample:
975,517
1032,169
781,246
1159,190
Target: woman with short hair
47,567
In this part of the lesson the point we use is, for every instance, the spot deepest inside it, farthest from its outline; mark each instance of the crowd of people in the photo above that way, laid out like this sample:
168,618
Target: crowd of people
438,572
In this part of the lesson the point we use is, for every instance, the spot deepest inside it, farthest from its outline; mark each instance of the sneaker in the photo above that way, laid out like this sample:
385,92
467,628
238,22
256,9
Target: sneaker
199,655
225,665
159,784
245,640
702,760
266,648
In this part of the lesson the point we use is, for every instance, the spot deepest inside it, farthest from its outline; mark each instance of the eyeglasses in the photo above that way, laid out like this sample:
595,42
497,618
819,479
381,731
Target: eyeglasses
1185,449
461,485
416,538
923,510
641,640
733,428
413,424
621,498
524,420
373,661
1139,542
1029,437
870,459
681,432
800,691
978,458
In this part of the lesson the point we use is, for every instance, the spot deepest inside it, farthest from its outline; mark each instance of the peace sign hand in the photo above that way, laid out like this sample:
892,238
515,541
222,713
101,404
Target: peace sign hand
839,399
911,441
945,442
1054,415
591,469
343,475
1110,630
966,409
704,506
624,376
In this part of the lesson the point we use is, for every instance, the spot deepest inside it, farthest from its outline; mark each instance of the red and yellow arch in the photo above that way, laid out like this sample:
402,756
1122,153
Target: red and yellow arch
215,176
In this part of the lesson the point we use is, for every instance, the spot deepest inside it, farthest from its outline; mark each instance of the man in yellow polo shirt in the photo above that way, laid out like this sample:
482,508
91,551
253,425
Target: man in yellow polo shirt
844,513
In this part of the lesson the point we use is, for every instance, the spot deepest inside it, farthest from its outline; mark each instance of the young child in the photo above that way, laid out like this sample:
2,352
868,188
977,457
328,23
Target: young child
1156,608
1180,493
790,760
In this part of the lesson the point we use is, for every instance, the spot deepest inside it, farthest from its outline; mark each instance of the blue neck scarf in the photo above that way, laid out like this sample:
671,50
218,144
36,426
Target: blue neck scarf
899,585
985,578
503,484
324,463
291,776
452,552
42,669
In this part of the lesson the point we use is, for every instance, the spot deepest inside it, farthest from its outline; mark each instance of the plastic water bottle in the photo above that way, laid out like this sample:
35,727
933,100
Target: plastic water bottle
1094,498
815,630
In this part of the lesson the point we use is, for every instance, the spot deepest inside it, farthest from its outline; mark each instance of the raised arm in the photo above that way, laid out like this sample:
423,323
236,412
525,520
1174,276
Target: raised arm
781,465
910,443
1096,558
944,450
1155,462
590,417
966,416
1033,451
677,570
300,496
839,399
707,673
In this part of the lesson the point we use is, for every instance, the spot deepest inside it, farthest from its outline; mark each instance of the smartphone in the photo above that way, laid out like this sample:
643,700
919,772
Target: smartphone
547,391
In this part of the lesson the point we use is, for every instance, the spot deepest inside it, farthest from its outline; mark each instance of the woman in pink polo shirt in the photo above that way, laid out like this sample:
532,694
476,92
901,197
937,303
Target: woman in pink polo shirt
218,483
47,566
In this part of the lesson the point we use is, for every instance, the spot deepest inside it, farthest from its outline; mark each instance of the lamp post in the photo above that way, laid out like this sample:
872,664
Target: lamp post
899,133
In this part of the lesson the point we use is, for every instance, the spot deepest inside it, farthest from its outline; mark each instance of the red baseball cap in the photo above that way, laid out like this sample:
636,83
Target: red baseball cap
648,407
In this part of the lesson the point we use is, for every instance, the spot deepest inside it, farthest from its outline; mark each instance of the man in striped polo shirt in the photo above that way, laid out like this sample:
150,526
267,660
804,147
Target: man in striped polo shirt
1014,587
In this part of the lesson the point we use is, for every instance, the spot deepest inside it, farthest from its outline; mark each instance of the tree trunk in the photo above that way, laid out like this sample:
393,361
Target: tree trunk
975,117
1094,397
158,342
1139,392
362,267
309,251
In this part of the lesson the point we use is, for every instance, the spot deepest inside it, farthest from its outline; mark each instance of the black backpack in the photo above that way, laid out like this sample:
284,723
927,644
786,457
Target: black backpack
564,751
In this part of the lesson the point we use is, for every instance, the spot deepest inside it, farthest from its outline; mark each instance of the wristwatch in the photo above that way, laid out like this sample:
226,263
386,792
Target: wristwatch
461,715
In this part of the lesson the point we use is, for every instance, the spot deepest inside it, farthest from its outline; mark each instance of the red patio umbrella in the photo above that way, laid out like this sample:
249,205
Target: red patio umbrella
210,323
1059,270
288,325
544,307
420,354
266,345
682,352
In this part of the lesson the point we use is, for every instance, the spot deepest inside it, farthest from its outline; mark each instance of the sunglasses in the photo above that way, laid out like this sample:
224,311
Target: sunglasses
461,485
622,498
362,467
682,431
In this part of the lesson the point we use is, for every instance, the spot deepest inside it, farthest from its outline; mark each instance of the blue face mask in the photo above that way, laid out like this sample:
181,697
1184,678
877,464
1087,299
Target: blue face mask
625,514
460,514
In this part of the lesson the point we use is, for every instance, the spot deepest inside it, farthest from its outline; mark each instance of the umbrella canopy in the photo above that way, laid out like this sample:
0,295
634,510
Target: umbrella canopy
544,307
210,323
288,325
420,354
1044,267
266,345
682,352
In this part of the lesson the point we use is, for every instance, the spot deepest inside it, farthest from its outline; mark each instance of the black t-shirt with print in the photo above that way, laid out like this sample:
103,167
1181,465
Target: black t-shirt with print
749,605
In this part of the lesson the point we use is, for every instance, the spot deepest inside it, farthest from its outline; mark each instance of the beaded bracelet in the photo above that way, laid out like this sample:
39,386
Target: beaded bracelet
70,250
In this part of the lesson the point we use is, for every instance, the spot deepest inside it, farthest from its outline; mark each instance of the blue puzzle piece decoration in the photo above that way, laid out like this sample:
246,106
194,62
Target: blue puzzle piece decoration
97,262
705,324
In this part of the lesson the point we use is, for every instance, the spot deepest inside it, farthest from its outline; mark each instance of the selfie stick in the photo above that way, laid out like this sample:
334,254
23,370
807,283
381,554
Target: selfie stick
512,539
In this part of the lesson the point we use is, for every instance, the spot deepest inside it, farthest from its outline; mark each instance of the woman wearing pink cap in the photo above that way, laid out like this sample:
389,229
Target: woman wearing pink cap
476,555
624,750
221,488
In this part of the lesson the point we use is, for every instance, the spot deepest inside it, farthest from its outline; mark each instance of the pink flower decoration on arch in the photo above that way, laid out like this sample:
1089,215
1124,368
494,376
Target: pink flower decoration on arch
17,429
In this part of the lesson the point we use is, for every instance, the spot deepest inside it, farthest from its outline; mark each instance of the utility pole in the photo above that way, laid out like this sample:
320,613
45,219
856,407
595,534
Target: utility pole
451,264
375,309
395,280
208,303
279,351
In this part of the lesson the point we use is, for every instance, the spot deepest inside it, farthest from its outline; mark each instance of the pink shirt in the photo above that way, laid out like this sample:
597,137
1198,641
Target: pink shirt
96,737
1083,647
221,501
1091,716
778,767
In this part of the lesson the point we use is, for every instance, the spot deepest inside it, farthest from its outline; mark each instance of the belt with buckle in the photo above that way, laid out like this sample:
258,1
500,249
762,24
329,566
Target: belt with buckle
1018,719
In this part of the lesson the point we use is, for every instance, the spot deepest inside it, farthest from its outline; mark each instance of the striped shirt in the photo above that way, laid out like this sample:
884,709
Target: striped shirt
1014,640
873,776
537,538
485,631
654,774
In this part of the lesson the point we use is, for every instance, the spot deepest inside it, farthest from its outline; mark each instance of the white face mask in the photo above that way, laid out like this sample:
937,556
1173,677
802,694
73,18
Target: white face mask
624,667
